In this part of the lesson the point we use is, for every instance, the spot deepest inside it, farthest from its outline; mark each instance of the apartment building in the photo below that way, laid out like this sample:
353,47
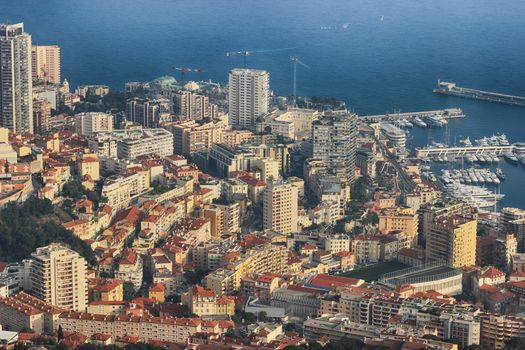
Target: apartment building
120,190
249,96
204,302
22,310
280,207
400,219
130,268
46,63
334,140
58,277
16,83
261,259
188,105
452,239
92,122
146,328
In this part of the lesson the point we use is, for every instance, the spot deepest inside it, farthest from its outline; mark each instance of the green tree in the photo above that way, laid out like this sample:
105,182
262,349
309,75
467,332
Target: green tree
515,343
263,316
249,317
60,333
31,224
128,291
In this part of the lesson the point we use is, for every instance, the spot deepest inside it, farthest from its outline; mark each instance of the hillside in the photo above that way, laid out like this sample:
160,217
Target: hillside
23,228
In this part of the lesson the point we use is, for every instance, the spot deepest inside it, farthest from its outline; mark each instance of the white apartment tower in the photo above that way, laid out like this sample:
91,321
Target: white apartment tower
58,275
16,83
249,96
280,207
92,122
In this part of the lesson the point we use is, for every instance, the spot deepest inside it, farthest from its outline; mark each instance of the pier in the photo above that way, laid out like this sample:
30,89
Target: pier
450,113
447,88
424,152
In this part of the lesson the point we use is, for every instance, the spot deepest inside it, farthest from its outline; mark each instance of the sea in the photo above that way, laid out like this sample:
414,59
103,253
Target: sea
379,56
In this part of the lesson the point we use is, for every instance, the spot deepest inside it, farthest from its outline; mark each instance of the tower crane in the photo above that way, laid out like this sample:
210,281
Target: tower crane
184,70
295,62
245,54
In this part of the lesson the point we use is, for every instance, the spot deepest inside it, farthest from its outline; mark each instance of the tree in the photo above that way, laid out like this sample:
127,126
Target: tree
263,316
31,224
231,333
515,343
249,317
128,291
60,333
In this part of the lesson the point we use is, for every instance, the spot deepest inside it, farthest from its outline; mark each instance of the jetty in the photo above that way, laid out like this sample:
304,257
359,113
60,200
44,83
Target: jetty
449,113
448,88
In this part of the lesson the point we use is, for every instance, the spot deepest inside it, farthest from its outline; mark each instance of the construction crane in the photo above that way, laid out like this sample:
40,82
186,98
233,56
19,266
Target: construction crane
296,61
245,54
184,70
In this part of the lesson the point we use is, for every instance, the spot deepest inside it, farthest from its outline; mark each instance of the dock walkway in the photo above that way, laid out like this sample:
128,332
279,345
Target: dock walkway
447,88
450,113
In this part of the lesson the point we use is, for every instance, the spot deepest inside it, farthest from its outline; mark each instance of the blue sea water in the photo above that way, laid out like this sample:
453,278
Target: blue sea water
377,55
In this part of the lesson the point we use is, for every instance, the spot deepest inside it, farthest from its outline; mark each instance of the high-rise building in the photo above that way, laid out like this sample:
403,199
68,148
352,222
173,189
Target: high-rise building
92,122
16,81
46,63
146,112
58,276
189,105
280,207
334,139
443,207
452,240
249,96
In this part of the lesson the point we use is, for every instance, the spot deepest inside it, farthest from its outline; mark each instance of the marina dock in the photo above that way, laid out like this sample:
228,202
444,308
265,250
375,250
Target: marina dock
450,113
424,152
447,88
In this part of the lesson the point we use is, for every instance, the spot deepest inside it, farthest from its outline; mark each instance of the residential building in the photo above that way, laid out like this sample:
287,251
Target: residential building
204,302
92,90
249,96
92,122
334,142
58,277
16,81
41,116
130,268
452,239
280,207
188,105
121,190
88,165
260,259
146,112
146,328
46,63
23,311
190,137
400,219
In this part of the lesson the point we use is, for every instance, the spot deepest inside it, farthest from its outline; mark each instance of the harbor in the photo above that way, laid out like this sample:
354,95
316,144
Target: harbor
449,113
449,88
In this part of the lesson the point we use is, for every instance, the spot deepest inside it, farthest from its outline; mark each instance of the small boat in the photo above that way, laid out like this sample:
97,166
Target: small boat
435,121
418,122
511,158
500,174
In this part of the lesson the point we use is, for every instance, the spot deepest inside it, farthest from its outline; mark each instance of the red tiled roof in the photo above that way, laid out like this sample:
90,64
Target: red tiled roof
492,272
